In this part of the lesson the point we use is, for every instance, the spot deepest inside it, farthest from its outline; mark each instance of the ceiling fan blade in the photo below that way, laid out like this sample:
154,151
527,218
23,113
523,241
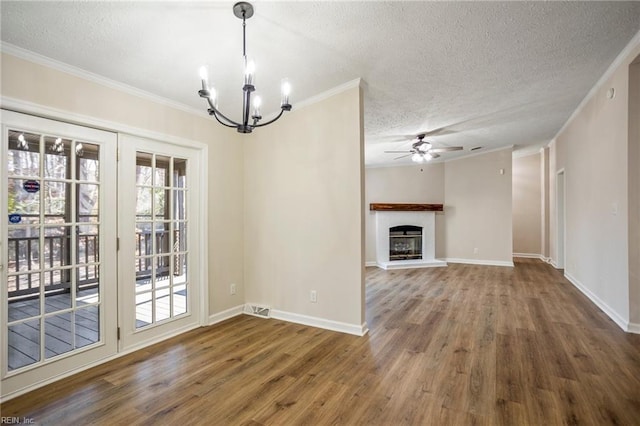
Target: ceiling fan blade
439,132
402,156
434,155
446,149
398,152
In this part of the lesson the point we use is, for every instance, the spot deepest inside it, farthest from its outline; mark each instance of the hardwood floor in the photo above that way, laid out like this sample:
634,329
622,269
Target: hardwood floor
458,345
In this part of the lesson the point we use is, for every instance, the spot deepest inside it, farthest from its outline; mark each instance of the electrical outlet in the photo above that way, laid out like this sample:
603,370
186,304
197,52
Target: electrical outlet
313,296
475,250
232,289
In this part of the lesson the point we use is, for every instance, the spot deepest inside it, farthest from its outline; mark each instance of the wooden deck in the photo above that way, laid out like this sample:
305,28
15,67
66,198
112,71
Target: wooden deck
65,332
461,345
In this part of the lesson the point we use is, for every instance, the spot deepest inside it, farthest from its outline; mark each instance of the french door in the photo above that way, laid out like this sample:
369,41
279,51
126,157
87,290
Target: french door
58,271
159,287
99,250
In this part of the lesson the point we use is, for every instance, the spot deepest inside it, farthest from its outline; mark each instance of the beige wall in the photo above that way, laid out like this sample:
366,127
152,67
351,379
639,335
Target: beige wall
478,208
593,150
527,209
544,199
29,82
404,184
634,193
303,212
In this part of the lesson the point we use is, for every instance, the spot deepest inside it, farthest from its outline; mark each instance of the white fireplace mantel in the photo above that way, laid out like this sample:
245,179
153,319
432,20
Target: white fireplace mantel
424,219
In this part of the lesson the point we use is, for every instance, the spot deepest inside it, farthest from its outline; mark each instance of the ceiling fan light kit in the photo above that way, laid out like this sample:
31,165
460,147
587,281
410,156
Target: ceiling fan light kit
243,10
422,150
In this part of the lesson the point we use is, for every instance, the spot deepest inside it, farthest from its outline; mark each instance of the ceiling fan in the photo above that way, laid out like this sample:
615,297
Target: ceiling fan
422,150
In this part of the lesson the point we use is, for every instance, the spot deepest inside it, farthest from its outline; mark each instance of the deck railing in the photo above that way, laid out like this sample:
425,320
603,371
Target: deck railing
24,256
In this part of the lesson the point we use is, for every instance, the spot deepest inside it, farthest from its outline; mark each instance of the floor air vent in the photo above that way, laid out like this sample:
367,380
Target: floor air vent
257,310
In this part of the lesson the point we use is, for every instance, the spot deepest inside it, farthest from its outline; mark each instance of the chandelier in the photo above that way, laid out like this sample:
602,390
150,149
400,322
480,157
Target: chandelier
244,11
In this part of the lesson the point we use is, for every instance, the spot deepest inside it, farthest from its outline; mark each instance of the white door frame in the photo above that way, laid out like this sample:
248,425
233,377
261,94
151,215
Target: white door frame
26,378
130,337
561,218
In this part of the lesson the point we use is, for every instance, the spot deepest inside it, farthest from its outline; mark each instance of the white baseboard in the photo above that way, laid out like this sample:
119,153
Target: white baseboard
479,262
371,263
357,330
226,314
634,327
611,313
411,264
530,256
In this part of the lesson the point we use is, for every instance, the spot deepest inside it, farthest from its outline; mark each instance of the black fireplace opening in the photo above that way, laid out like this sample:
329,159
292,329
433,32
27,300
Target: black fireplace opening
405,242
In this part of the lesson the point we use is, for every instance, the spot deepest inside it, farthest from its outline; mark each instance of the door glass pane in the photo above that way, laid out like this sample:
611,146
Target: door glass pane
179,173
163,304
144,309
57,158
88,198
58,334
24,309
160,203
180,271
162,170
56,197
89,163
161,243
53,257
24,343
87,244
143,202
23,206
58,301
24,154
57,246
23,249
87,326
179,299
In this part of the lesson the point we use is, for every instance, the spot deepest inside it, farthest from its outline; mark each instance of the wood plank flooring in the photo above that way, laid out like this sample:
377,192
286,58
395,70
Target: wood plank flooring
460,345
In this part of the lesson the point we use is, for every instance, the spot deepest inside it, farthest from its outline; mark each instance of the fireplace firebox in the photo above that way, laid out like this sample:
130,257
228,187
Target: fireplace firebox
405,242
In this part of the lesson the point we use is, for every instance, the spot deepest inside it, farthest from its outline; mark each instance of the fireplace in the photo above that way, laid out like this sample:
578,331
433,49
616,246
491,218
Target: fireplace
406,238
405,242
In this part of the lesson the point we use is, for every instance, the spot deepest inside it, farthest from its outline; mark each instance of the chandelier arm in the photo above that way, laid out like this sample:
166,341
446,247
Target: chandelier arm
233,126
216,112
270,121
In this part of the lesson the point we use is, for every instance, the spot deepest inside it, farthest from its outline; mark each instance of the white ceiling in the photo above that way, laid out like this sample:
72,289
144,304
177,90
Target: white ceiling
490,74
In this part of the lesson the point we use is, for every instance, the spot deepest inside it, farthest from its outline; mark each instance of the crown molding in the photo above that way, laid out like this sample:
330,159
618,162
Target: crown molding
39,59
329,93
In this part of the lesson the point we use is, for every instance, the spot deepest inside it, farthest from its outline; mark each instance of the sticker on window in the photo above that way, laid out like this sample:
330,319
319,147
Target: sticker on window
15,218
31,186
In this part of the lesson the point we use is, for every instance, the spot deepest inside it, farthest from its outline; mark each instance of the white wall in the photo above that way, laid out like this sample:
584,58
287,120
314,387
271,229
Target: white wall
420,184
593,150
527,208
478,208
303,191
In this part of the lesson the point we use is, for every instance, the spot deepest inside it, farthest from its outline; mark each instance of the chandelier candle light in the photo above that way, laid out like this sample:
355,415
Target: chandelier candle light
244,11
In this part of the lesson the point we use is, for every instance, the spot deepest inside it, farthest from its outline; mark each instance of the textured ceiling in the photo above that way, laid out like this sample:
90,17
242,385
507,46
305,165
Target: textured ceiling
488,74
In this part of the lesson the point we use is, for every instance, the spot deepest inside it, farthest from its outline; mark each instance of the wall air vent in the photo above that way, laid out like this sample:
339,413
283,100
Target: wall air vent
257,310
